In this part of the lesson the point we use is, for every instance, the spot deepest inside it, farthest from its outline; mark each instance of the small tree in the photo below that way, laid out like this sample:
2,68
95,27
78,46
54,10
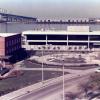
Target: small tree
54,48
58,48
85,87
44,47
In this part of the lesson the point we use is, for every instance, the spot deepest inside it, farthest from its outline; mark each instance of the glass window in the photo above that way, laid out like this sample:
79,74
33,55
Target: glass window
78,37
57,37
37,43
57,43
77,43
7,44
12,42
36,37
95,37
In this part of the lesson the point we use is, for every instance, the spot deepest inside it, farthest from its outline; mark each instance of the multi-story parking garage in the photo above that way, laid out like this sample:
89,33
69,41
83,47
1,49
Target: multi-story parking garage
61,40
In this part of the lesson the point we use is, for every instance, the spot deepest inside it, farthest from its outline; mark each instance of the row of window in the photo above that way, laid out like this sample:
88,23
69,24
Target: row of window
13,42
63,37
61,43
10,50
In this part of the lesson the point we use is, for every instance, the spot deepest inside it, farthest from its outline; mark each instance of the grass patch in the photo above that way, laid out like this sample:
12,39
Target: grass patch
28,78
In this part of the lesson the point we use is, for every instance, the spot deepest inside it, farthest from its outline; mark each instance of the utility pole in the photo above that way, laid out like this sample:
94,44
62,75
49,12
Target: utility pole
42,69
63,83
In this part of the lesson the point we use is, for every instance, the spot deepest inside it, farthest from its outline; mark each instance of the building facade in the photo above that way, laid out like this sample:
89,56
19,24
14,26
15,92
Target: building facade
63,40
9,43
78,28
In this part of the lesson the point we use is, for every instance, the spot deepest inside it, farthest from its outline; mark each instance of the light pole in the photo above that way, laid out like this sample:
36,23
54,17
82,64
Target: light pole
42,69
63,82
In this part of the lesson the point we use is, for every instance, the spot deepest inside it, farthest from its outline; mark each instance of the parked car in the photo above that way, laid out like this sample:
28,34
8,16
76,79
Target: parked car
4,71
97,70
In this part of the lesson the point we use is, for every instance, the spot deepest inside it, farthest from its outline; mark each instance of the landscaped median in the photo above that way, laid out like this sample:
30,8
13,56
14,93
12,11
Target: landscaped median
72,60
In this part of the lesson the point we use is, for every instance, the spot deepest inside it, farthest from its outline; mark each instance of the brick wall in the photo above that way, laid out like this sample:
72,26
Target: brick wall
2,46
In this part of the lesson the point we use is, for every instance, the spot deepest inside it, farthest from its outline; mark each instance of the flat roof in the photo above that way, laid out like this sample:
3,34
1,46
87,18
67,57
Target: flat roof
8,34
60,32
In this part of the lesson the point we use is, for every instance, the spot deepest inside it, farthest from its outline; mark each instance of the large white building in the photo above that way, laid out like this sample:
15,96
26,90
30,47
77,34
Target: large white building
61,40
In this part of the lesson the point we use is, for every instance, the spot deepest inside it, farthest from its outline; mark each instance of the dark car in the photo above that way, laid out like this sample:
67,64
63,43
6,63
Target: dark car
4,71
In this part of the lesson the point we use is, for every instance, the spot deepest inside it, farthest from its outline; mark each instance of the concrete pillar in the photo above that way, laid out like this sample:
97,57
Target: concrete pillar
46,40
88,42
3,63
67,42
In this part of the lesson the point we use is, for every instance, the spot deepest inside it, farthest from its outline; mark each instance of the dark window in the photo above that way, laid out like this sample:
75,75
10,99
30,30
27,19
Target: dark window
95,37
36,37
57,43
77,43
37,43
91,45
96,46
57,37
78,37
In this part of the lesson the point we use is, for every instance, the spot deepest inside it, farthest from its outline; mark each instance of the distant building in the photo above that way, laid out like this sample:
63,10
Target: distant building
61,40
78,28
9,43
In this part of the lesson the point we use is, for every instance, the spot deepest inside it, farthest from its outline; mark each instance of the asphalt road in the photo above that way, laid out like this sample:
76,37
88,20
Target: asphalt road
40,94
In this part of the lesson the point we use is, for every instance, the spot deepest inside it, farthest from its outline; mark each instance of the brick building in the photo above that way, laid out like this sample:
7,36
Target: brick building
10,43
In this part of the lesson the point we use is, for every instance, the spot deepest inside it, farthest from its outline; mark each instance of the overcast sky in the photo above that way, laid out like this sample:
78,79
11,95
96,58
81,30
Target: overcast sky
53,8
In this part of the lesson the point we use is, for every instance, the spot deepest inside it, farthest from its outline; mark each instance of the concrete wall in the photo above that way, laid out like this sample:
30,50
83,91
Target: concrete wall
78,29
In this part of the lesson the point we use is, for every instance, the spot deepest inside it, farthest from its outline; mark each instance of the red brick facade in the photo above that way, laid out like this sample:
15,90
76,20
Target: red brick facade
10,44
2,46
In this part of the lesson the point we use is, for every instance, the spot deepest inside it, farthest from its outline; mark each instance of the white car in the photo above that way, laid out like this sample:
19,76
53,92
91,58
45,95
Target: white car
97,70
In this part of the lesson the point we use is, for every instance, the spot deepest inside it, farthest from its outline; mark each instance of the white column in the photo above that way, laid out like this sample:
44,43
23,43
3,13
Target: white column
88,42
46,41
27,43
4,64
67,42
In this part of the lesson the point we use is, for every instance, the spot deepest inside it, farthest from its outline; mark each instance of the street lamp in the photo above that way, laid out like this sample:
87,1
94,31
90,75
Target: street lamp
63,82
42,69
